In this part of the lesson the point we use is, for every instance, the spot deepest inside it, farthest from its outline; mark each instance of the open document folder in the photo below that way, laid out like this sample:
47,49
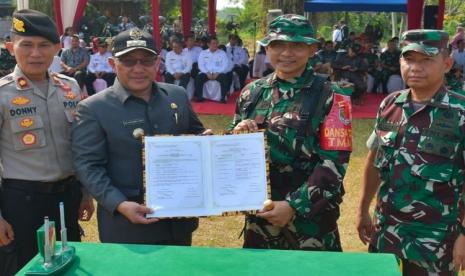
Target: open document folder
190,176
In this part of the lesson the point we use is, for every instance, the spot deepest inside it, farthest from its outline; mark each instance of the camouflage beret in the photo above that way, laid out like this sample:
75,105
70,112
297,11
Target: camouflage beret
290,27
102,41
33,23
428,42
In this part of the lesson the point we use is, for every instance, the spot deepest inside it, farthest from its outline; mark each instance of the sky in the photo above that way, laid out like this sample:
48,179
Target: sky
221,4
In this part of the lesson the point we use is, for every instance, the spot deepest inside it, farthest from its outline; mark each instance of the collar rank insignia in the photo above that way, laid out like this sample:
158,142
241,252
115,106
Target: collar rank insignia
22,82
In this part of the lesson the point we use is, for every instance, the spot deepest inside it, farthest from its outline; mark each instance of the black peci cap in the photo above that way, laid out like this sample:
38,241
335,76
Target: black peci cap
34,23
131,40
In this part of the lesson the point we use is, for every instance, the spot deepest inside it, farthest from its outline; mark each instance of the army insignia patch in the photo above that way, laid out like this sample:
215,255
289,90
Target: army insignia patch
336,130
29,139
26,122
22,82
344,112
20,100
18,25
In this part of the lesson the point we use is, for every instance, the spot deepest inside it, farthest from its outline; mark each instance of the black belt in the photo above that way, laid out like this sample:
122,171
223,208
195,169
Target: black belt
38,186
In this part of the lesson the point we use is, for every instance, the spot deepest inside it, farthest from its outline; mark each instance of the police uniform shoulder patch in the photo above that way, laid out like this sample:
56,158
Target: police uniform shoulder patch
62,77
66,83
456,95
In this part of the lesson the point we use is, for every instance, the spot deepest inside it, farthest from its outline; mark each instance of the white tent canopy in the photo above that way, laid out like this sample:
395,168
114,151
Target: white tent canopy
66,14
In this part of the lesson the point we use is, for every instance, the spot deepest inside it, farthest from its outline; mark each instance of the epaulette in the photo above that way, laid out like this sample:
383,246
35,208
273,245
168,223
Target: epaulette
6,80
393,96
61,76
456,95
257,83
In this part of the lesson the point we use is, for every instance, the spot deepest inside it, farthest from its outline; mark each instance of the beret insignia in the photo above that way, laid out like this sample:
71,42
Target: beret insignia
18,25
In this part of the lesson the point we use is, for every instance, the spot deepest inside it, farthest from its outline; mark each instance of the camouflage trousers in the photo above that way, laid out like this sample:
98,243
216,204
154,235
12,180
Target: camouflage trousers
421,268
258,233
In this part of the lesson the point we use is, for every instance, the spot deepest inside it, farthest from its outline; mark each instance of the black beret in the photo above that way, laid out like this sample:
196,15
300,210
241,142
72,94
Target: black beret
33,23
131,40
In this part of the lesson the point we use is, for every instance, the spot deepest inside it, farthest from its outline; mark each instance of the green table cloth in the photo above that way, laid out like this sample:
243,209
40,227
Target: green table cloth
125,259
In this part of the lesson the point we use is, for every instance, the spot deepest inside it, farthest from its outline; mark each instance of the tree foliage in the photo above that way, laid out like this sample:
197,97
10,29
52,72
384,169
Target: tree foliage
252,18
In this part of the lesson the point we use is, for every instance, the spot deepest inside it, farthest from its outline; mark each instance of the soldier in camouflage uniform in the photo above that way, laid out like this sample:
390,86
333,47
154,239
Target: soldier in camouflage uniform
353,67
373,62
348,41
389,63
306,177
416,158
7,62
454,80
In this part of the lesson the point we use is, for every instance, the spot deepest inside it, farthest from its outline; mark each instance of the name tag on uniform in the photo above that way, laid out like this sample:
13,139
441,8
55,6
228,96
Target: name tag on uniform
133,122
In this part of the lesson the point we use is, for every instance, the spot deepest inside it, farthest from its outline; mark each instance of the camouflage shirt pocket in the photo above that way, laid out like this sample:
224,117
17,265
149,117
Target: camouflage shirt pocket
434,159
386,147
28,132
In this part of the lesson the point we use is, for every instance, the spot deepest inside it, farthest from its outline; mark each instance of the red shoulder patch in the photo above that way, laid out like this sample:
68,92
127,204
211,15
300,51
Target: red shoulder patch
336,130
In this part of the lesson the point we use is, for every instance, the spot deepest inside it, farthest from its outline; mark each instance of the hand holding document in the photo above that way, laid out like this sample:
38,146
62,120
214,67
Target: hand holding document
205,175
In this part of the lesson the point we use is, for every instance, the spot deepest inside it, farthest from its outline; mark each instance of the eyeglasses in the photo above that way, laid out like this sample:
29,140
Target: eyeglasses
131,62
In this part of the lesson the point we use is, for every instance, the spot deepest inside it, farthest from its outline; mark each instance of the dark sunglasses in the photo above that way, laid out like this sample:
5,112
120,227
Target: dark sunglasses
131,62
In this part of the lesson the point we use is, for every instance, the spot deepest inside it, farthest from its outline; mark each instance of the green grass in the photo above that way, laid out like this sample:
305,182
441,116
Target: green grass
225,231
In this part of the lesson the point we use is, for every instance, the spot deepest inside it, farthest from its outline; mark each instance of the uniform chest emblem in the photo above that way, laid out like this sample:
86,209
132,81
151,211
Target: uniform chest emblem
70,95
26,122
20,100
29,139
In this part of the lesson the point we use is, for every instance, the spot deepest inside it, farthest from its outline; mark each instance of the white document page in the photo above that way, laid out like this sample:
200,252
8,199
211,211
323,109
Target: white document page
189,176
175,176
238,172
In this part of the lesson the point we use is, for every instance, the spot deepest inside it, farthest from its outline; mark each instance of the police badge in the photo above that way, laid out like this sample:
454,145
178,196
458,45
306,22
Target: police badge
135,34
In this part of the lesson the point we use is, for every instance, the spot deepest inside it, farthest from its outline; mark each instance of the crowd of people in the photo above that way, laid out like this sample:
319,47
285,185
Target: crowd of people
55,147
348,57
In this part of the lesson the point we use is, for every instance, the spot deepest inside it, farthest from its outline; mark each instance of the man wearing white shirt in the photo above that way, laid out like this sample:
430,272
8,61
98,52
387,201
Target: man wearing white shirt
125,24
239,59
459,55
99,68
230,67
213,64
194,52
337,35
178,65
